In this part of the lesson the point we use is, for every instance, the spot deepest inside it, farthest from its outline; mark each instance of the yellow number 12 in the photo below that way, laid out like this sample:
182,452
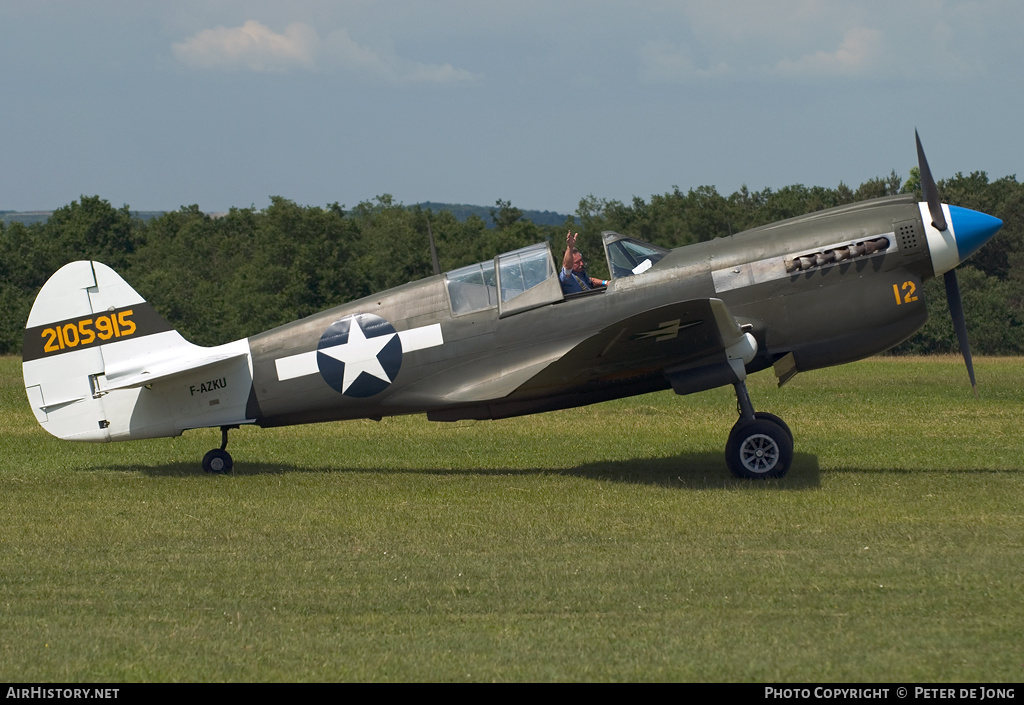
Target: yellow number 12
908,296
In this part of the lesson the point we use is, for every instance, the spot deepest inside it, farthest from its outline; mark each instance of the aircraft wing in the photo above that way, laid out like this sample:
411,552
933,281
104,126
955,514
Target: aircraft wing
683,340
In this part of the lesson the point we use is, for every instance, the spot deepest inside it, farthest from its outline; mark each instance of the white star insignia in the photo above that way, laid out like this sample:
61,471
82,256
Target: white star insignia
360,355
302,364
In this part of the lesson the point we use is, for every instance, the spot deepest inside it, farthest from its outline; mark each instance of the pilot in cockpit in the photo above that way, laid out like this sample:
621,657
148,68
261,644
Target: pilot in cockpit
574,277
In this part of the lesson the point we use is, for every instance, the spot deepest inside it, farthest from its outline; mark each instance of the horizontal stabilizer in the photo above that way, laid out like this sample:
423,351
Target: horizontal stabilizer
171,368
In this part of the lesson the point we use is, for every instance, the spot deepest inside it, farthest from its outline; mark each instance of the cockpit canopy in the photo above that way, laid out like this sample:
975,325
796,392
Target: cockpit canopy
528,277
628,256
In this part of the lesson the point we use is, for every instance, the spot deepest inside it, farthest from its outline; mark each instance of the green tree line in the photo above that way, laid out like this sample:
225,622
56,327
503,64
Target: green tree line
224,278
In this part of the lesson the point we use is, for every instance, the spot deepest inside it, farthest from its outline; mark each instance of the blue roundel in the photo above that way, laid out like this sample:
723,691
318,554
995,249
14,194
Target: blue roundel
359,355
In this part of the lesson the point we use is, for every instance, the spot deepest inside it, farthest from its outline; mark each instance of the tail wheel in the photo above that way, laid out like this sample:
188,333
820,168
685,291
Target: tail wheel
759,449
217,461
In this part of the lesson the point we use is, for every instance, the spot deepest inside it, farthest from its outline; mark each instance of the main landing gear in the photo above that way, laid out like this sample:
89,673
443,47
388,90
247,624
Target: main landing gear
760,445
219,460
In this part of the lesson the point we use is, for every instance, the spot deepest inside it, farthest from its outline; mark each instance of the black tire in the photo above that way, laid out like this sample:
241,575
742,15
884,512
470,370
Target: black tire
217,461
759,449
775,420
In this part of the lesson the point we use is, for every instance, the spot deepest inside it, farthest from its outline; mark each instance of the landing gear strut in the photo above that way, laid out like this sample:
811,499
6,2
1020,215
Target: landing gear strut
219,460
760,445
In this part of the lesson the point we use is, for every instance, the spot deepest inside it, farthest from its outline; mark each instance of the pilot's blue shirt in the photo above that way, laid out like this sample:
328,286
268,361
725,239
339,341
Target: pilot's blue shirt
574,283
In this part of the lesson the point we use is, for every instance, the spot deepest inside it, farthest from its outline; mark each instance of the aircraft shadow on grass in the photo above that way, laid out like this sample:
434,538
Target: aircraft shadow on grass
684,471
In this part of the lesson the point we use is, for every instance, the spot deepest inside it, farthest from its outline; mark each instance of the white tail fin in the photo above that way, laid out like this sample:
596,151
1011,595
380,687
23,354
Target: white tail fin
101,364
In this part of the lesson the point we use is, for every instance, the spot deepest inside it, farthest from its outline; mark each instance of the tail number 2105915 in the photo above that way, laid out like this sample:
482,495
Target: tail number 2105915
85,331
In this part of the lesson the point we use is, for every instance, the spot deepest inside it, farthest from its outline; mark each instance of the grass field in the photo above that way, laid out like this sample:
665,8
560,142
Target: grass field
601,544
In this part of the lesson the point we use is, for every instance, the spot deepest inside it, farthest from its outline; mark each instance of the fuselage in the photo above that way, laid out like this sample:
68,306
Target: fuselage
500,338
818,290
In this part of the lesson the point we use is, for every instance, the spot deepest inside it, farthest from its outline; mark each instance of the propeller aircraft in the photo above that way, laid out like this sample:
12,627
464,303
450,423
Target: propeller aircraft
500,338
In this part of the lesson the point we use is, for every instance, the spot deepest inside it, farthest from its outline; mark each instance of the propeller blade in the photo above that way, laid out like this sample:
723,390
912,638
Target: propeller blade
956,311
929,191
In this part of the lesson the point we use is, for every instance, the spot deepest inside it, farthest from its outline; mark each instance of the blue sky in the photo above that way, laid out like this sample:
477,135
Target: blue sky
225,103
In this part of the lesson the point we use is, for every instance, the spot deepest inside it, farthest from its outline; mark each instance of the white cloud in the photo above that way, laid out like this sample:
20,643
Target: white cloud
255,47
665,62
340,50
859,53
251,47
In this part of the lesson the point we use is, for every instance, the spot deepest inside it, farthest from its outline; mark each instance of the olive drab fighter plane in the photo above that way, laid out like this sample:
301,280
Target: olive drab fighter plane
500,339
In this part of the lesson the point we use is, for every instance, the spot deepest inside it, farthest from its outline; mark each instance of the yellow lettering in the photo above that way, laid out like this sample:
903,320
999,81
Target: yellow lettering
85,330
103,329
127,324
51,344
71,335
910,288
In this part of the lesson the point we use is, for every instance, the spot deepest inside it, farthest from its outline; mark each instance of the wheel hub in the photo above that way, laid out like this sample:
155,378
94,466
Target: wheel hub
759,453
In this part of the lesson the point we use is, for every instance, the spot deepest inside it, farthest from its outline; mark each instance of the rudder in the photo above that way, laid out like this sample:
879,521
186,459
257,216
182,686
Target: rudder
92,344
